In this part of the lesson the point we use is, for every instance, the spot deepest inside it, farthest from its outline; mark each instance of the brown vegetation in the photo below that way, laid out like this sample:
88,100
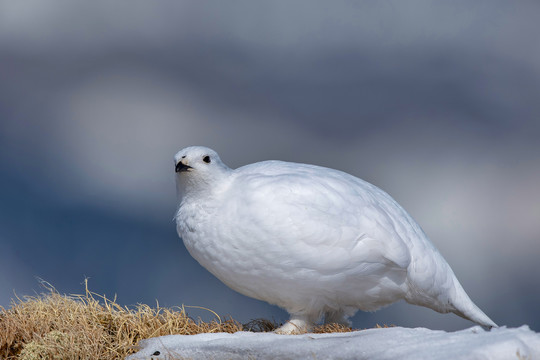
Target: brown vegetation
90,326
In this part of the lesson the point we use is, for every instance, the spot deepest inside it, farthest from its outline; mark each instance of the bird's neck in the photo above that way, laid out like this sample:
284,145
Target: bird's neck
201,189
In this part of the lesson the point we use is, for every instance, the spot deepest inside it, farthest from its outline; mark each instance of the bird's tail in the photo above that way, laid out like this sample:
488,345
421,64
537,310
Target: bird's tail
464,307
447,296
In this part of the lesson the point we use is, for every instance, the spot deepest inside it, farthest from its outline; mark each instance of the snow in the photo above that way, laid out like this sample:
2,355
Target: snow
385,343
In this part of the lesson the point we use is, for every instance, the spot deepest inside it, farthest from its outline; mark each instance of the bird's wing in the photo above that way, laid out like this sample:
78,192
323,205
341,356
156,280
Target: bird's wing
314,217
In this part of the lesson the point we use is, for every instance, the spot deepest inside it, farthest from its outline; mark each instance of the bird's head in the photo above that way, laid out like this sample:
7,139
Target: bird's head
197,168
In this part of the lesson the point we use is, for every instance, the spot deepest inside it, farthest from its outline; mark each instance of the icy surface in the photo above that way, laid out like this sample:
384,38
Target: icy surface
389,343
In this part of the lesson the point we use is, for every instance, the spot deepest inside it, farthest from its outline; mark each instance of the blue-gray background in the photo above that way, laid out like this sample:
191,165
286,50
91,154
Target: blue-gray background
438,103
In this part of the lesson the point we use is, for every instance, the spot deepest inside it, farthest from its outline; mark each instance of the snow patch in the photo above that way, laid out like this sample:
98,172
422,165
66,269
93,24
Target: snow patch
388,343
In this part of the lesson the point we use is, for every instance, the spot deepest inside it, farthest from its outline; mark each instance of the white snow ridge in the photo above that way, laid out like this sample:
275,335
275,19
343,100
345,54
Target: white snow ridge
388,343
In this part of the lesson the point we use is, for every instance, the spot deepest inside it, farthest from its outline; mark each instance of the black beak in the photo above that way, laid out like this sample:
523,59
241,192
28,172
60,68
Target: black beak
182,167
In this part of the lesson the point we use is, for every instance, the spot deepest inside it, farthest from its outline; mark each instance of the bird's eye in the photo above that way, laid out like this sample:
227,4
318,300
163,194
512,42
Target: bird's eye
157,353
206,159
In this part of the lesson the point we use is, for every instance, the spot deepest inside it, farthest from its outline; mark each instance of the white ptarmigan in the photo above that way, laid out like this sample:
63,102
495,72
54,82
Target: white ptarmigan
312,240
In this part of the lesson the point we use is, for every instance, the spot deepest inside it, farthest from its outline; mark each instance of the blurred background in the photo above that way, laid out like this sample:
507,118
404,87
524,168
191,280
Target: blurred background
437,103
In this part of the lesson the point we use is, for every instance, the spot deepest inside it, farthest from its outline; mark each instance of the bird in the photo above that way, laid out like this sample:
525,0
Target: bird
318,242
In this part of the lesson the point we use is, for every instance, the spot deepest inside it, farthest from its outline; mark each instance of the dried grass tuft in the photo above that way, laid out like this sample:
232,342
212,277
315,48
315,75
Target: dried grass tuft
260,325
331,328
90,326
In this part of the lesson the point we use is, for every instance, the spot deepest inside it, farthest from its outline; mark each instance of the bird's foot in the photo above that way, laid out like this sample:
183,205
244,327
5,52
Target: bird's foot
295,326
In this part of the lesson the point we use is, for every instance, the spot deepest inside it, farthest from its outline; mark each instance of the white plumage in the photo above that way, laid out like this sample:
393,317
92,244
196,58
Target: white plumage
312,240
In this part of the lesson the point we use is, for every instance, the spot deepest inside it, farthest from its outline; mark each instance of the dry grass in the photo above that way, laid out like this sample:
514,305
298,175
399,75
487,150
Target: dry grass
90,326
